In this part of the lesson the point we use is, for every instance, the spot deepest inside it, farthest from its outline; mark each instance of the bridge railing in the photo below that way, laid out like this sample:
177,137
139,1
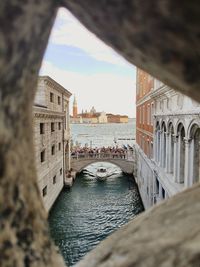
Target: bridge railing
127,155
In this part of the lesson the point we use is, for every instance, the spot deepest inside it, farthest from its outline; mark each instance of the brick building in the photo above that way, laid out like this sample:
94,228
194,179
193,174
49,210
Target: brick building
144,134
112,118
144,108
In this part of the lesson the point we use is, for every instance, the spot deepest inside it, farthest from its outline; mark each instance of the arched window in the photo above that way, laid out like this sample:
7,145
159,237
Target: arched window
195,153
181,153
171,148
163,145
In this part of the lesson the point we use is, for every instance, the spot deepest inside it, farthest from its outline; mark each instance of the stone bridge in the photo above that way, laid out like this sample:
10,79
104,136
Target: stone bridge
126,164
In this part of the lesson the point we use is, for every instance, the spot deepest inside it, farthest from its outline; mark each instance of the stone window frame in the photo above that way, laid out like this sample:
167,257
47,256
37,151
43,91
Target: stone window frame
42,127
59,146
52,127
59,125
152,113
143,115
43,156
59,100
54,179
53,150
44,191
51,95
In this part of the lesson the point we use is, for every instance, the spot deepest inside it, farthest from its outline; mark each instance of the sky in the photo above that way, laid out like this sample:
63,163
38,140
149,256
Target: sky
89,69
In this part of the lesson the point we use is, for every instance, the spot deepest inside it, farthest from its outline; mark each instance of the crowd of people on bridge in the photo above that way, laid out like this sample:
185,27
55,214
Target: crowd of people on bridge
101,152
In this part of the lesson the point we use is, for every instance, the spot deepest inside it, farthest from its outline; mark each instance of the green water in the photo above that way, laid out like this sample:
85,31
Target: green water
92,210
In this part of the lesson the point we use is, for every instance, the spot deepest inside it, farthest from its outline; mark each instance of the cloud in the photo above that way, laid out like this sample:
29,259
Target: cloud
107,92
69,31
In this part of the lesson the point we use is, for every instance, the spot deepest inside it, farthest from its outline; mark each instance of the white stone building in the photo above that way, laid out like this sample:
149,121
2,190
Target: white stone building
176,141
51,137
102,117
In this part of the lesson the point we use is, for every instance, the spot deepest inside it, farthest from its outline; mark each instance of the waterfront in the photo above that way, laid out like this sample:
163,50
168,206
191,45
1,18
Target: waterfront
103,134
92,210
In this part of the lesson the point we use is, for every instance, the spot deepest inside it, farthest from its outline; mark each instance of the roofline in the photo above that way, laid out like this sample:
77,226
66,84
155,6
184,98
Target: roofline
60,87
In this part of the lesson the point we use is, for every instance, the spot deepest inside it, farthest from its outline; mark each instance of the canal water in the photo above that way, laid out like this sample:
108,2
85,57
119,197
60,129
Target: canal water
92,209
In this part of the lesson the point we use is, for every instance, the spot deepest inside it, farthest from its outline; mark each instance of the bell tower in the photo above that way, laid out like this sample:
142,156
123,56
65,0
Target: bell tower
75,109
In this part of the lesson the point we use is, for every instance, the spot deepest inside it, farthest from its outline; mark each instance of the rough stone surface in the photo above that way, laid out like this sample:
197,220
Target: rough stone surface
24,237
160,36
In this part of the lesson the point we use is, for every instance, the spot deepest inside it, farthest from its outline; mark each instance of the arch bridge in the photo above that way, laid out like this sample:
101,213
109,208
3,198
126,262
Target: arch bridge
125,163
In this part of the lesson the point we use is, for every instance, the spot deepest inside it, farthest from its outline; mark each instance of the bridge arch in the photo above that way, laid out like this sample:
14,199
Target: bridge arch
125,165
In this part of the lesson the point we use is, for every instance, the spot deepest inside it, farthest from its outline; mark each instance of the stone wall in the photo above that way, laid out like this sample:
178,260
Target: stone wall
53,164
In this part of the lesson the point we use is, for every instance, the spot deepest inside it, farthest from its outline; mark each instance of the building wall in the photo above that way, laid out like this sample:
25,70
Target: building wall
102,118
123,119
176,139
144,135
51,136
112,118
167,141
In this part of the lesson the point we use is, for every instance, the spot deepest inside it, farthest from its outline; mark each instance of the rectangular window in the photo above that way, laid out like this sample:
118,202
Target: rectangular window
53,150
51,97
52,127
54,179
152,113
44,191
148,114
61,171
143,115
59,100
59,146
59,126
42,156
41,128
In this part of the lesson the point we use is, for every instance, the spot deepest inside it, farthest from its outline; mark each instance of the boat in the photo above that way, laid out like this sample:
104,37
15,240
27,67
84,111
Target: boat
102,174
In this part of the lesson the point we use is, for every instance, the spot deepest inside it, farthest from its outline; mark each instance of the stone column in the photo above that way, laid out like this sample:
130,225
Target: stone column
163,149
175,140
155,146
168,152
187,162
171,154
160,148
160,191
178,163
156,142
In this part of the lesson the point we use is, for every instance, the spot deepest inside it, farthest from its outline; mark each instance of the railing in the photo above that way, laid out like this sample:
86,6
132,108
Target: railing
128,155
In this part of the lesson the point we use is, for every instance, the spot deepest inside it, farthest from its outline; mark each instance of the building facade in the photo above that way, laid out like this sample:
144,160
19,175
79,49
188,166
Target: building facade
51,138
112,118
144,136
167,140
177,141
